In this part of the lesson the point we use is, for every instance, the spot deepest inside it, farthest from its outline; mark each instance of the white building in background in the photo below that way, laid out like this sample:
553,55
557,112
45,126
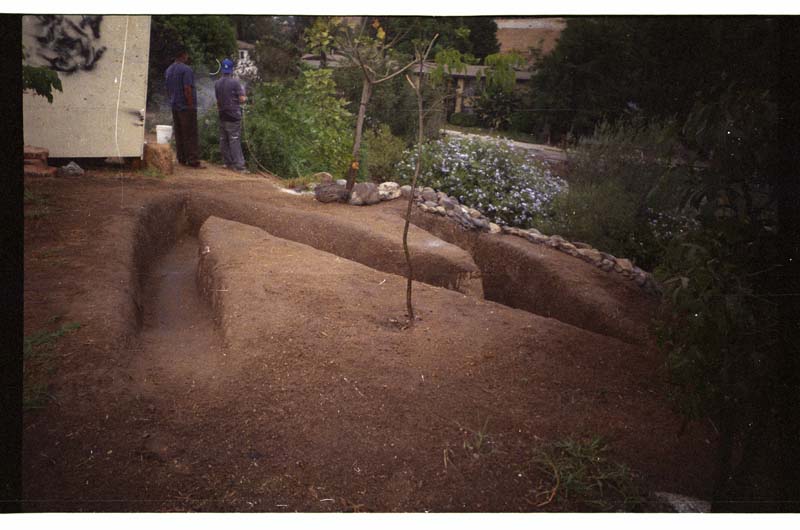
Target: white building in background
245,61
102,64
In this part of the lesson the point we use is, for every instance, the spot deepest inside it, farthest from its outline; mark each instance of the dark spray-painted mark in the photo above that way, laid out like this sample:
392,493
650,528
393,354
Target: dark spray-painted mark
67,45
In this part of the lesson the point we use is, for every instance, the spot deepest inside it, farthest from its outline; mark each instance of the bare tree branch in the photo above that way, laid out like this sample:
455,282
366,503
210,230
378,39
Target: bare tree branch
420,58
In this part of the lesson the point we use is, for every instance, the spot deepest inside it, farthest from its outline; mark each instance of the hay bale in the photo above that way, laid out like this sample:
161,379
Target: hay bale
159,157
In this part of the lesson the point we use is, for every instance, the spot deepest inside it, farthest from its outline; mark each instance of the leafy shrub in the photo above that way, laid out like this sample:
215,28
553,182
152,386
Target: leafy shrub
522,121
462,119
383,152
495,108
621,197
604,215
506,184
300,127
716,325
208,136
276,58
41,80
392,103
731,345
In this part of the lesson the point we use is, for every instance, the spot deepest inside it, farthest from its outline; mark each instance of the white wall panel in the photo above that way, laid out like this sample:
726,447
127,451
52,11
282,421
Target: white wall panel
102,64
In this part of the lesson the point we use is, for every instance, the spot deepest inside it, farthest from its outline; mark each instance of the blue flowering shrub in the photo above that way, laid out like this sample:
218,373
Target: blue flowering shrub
507,184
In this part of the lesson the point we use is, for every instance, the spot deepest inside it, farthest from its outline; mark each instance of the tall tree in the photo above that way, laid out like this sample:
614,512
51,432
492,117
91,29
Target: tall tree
367,47
474,37
605,67
420,56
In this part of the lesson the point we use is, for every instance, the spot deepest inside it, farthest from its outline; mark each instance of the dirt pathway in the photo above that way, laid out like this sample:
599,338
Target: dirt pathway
178,339
547,152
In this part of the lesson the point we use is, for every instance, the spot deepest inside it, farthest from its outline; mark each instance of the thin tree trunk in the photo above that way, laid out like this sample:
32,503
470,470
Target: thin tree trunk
352,172
417,168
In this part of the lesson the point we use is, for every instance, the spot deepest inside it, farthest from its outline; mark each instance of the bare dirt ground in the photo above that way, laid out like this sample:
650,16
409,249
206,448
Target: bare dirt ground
146,406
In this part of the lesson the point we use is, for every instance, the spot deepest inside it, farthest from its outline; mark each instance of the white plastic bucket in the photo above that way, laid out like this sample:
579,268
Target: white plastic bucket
163,133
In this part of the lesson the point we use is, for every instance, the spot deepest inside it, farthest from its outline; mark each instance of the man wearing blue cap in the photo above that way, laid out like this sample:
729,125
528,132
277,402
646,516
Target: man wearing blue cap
230,96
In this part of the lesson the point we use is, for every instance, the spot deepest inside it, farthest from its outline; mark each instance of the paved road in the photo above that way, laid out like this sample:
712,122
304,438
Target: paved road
553,154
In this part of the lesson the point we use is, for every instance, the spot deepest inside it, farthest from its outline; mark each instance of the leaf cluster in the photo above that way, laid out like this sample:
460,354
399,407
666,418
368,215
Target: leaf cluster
604,66
41,80
473,37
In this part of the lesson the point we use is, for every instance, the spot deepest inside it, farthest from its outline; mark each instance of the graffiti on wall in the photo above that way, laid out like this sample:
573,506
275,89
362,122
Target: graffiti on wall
68,43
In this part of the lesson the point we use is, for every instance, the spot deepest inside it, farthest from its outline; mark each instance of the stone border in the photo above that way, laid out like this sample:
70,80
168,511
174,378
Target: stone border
439,203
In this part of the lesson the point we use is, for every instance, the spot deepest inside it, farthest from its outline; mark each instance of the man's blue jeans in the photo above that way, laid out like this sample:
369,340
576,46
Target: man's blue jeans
230,144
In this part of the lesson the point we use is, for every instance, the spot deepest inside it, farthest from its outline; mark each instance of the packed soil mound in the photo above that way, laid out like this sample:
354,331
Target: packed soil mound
374,240
315,397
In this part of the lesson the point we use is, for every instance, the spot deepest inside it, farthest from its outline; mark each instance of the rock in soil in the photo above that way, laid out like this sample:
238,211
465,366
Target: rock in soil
681,503
330,193
389,191
364,193
70,170
323,177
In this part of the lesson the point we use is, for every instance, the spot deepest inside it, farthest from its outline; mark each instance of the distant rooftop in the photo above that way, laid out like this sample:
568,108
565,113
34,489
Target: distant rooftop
530,23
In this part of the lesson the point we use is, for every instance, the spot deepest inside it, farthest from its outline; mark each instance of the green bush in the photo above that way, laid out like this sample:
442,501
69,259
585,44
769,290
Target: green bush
462,119
208,135
383,152
392,103
621,197
508,185
731,346
41,80
299,128
495,108
605,216
521,121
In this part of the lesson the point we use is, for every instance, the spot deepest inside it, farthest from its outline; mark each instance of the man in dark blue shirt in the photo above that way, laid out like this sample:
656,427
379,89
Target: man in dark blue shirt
230,96
183,99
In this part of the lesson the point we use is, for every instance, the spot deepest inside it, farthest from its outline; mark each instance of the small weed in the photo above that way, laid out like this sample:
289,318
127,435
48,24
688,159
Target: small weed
477,442
51,255
35,396
37,212
30,197
38,205
39,366
45,340
298,182
580,474
152,173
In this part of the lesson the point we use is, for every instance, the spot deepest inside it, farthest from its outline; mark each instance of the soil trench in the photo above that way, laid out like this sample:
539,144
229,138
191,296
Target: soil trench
178,334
